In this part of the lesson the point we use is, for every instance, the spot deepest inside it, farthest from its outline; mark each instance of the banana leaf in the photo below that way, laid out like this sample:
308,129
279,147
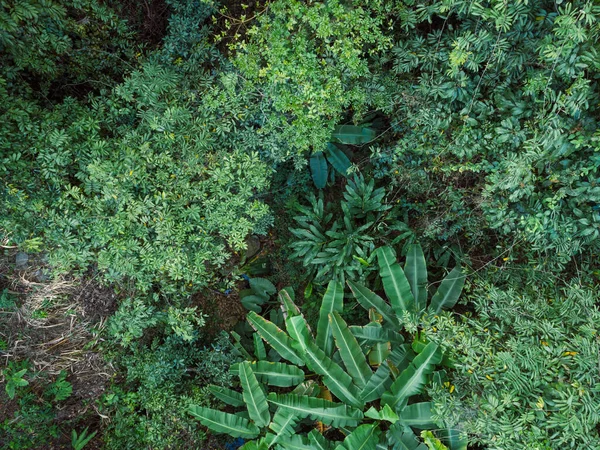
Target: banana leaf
221,422
330,413
369,299
350,134
418,415
275,337
365,437
274,373
333,300
379,383
318,169
318,441
449,291
395,283
226,395
415,269
350,352
338,159
254,396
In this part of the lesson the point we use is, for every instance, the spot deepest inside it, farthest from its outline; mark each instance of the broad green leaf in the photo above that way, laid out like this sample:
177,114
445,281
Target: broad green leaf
330,413
350,352
221,422
226,395
402,438
415,269
365,437
253,395
431,441
274,373
337,381
369,299
374,332
379,353
379,382
255,445
318,169
350,134
318,441
449,291
282,425
338,159
259,347
309,388
294,442
418,415
454,439
252,302
333,300
394,282
275,337
298,329
288,306
262,287
413,379
386,413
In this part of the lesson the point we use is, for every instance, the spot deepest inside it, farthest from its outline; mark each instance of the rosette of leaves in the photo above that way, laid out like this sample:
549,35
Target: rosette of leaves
343,248
358,384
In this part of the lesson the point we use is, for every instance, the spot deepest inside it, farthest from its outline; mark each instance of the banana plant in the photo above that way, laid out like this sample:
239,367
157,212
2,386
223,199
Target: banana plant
358,380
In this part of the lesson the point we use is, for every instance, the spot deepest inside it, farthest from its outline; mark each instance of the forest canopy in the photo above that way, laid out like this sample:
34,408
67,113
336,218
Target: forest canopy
323,224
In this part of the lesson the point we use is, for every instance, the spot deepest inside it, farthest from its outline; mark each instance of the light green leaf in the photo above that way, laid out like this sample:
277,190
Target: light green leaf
386,413
254,396
415,269
221,422
449,291
333,300
275,337
330,413
226,395
394,282
368,299
350,351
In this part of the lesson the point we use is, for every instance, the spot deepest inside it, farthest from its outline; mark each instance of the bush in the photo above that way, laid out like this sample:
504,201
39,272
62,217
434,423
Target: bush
525,368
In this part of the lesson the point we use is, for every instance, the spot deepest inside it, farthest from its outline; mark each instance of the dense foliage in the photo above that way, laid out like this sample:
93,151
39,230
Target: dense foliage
167,166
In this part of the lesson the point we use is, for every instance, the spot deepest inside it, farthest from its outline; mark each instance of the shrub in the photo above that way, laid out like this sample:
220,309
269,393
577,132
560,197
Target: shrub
401,370
525,368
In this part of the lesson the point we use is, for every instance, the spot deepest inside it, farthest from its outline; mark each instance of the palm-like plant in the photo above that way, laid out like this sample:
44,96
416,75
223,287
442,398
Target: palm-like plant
360,380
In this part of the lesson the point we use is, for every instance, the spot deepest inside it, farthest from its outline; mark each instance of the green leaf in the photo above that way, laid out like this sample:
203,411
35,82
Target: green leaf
418,415
379,382
309,388
350,351
253,395
252,302
379,353
338,159
415,269
449,291
394,282
288,306
374,333
254,445
318,169
295,442
275,337
282,425
274,373
221,422
339,382
454,439
330,413
262,287
226,395
431,441
369,299
365,437
333,300
318,441
386,413
259,347
350,134
413,379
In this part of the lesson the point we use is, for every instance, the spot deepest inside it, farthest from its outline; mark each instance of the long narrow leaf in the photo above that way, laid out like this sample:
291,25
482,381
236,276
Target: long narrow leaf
274,373
330,413
379,382
318,169
333,300
221,422
275,337
369,299
253,395
350,351
394,281
338,159
226,395
449,291
415,269
413,379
